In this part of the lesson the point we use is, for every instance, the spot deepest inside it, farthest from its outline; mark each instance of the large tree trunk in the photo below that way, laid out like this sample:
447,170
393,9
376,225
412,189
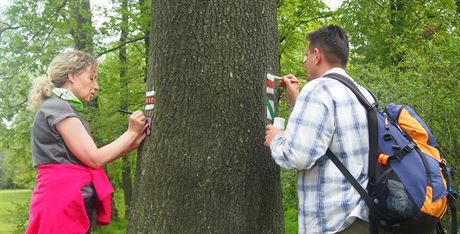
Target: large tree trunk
204,169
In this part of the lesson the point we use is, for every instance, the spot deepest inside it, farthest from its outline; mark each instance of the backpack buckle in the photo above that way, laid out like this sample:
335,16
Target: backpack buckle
444,161
387,122
404,151
409,147
452,195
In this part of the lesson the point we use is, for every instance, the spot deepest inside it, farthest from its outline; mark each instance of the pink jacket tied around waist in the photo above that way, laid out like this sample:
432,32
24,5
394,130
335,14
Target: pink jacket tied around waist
57,204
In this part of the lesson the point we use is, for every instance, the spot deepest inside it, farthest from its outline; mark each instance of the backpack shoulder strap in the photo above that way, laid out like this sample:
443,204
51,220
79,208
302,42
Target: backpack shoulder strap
371,118
376,101
349,83
372,123
373,147
367,199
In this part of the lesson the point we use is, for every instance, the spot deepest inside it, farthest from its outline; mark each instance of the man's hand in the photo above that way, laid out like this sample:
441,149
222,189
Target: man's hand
292,88
270,133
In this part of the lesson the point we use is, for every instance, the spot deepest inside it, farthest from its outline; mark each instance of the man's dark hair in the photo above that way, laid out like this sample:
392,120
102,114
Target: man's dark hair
333,41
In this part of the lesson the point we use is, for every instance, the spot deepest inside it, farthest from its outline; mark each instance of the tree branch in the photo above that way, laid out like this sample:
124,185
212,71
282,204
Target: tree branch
378,4
120,45
8,27
17,105
290,29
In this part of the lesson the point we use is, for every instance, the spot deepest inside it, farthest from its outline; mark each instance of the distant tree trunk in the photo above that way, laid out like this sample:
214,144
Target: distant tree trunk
144,9
79,21
81,25
397,20
124,80
457,2
204,169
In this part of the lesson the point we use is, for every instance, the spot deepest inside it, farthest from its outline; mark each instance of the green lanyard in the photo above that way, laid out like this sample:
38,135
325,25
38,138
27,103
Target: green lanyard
68,96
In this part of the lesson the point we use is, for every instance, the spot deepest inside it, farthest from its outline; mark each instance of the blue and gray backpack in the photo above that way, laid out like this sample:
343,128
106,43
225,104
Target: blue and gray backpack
409,188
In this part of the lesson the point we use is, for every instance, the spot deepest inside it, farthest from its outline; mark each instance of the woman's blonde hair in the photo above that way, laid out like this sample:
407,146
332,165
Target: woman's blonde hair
68,62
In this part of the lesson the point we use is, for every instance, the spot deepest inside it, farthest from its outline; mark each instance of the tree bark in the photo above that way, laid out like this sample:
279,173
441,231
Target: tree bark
204,168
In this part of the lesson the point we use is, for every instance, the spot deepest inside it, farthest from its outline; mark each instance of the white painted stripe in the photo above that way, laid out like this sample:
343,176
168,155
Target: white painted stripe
273,78
270,91
149,107
150,93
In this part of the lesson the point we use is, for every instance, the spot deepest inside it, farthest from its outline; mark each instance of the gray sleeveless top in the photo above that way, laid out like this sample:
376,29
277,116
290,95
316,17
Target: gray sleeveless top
47,145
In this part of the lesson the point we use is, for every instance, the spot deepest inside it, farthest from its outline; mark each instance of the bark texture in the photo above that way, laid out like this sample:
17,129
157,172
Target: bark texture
204,169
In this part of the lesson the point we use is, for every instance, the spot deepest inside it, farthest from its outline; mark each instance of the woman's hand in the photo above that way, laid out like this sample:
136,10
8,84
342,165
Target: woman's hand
136,143
137,122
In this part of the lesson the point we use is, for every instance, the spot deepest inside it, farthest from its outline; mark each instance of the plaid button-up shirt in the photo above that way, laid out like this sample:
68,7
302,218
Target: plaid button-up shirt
326,115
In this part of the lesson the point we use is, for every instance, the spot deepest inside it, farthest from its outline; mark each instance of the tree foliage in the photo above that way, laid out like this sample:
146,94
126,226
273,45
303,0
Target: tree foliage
32,33
407,52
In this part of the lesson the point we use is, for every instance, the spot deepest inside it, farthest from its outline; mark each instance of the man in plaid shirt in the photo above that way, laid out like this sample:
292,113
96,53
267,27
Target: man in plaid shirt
326,114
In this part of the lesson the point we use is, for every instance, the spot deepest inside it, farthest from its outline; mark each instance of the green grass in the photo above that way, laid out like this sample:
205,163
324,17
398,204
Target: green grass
115,226
119,227
14,207
290,221
14,211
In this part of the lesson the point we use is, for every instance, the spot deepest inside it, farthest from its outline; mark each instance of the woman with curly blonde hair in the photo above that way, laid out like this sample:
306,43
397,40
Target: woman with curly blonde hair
70,181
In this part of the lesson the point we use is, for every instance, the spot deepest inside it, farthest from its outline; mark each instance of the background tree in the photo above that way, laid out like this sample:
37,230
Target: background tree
126,170
36,32
204,168
296,18
427,52
32,33
80,24
412,58
122,80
